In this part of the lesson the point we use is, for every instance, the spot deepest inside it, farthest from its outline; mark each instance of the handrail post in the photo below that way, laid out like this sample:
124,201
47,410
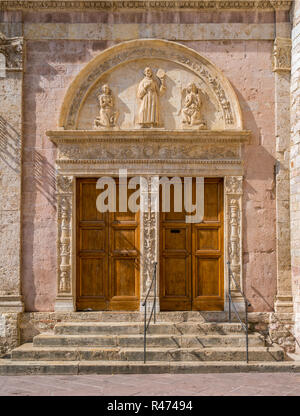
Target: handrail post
154,292
229,292
145,329
247,341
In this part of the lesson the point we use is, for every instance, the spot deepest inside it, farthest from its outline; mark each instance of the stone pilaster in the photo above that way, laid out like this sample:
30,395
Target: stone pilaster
295,168
11,83
65,298
281,68
233,191
149,237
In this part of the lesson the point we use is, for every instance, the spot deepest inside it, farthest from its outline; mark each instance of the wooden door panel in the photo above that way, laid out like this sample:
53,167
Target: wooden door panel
89,268
177,283
107,254
207,251
124,278
207,238
212,208
92,239
207,282
175,260
191,255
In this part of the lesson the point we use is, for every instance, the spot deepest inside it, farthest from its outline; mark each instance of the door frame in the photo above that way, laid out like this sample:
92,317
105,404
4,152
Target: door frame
149,237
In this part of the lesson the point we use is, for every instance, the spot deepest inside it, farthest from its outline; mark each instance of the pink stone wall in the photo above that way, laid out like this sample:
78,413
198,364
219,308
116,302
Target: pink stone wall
51,66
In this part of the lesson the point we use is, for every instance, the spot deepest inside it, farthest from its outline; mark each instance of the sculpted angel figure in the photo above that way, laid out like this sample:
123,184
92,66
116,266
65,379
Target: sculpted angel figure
192,107
107,115
148,92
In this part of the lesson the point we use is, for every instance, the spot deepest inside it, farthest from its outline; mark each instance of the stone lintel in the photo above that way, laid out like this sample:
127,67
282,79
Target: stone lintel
140,135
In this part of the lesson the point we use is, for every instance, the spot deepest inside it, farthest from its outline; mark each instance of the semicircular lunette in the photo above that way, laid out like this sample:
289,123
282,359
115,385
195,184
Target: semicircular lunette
183,91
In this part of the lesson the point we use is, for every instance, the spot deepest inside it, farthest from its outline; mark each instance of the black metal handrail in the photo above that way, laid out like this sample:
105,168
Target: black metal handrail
146,324
245,325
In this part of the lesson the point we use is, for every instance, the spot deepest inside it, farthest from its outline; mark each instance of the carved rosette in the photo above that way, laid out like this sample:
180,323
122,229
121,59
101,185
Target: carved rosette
233,200
12,49
65,193
282,54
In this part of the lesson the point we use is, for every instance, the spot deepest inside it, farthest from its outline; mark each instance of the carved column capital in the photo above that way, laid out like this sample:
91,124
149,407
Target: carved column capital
12,49
64,184
282,54
234,185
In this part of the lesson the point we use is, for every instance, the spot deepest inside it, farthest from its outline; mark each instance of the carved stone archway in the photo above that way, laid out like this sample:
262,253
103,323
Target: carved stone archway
148,152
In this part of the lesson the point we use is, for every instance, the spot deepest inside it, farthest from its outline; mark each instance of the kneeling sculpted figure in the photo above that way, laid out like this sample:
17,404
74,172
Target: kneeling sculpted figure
107,115
192,107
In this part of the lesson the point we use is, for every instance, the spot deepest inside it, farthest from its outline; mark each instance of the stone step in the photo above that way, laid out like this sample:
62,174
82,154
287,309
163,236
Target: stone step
165,328
31,353
177,316
9,367
174,341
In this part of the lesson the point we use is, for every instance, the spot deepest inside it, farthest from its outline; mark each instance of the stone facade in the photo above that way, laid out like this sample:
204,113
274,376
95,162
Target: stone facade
295,168
54,61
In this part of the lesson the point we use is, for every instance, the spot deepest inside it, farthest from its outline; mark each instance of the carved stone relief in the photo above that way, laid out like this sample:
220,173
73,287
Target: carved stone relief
282,54
65,194
12,49
165,57
158,151
233,195
107,115
149,90
192,108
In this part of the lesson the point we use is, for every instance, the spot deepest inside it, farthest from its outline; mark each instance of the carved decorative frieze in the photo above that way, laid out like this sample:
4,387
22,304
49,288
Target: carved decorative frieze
157,151
233,195
147,4
65,195
12,49
282,54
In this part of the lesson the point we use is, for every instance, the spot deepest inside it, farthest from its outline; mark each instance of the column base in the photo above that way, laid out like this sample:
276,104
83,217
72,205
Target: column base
239,304
11,303
149,305
284,304
64,304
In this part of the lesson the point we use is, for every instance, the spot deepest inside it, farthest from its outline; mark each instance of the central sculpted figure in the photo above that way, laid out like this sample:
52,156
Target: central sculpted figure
149,91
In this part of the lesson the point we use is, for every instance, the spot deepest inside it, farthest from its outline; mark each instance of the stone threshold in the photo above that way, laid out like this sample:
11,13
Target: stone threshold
8,367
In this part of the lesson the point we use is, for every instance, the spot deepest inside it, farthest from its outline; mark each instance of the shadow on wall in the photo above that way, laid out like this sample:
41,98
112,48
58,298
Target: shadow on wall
10,145
44,73
259,283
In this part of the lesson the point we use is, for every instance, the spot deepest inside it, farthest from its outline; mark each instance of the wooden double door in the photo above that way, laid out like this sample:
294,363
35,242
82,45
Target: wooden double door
191,255
108,254
108,258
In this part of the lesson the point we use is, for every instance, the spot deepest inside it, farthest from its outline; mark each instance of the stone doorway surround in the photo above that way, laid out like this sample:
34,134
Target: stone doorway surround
219,166
212,150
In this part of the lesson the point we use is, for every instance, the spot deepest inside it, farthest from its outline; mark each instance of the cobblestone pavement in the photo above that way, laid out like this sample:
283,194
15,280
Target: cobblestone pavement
238,384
